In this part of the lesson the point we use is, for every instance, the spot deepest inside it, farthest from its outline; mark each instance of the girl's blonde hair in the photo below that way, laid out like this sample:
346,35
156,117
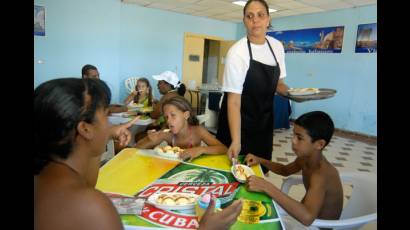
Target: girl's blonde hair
183,105
137,97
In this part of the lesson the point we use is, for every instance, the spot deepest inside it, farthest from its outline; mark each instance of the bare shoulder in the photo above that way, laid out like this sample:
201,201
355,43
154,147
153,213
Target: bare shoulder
94,210
325,174
72,205
204,134
200,130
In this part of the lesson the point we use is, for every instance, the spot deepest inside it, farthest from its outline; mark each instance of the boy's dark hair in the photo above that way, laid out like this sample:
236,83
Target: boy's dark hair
182,104
84,70
59,105
317,124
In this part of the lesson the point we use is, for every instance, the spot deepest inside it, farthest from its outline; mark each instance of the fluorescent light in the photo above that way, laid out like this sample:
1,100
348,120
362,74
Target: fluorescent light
243,3
240,3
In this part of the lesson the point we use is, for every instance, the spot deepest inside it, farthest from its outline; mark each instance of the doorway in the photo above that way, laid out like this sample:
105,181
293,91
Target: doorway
203,64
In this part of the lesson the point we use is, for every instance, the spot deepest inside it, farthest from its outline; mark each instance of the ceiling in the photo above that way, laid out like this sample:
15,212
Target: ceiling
226,11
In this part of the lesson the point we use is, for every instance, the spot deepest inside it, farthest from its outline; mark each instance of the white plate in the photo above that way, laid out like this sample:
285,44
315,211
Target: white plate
173,156
303,91
248,171
135,105
153,200
144,122
167,155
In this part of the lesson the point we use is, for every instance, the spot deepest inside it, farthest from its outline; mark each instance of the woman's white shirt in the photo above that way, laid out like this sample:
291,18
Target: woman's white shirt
237,62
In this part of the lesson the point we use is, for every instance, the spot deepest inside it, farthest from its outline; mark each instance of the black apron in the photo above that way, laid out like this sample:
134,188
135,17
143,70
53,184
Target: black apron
256,109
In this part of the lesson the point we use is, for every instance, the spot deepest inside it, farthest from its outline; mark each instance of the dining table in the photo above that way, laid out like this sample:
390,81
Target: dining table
142,173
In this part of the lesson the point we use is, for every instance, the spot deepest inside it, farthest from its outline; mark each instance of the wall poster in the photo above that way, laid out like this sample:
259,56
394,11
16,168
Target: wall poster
366,41
39,20
314,40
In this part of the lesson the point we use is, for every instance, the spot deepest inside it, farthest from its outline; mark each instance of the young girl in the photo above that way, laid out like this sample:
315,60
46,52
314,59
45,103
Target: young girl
142,93
184,132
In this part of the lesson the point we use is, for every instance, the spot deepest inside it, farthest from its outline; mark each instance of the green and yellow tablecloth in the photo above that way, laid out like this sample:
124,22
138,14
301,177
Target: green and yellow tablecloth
137,173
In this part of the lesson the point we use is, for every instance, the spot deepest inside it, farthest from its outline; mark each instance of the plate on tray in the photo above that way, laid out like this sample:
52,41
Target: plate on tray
173,200
323,93
303,91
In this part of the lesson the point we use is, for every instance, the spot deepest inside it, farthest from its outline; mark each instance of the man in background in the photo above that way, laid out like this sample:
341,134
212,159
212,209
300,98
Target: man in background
90,71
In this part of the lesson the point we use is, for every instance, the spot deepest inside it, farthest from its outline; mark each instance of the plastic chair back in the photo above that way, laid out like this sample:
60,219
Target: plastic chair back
361,207
130,83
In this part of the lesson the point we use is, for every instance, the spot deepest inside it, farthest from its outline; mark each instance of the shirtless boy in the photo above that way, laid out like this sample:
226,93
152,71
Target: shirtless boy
324,193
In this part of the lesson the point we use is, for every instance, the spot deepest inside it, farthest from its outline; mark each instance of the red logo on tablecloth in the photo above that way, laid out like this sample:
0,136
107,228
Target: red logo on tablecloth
168,219
218,190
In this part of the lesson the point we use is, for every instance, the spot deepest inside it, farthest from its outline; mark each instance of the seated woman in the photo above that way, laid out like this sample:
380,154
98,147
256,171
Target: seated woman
71,130
184,132
168,86
142,94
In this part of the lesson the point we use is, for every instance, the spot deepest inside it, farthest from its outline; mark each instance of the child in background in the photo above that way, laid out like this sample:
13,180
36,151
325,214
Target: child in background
142,94
184,131
324,193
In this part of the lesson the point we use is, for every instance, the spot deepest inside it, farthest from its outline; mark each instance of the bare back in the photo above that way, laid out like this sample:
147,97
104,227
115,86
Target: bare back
332,204
63,200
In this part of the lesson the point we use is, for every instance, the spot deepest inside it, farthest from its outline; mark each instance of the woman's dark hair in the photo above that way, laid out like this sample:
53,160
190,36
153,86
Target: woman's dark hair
317,124
182,104
84,70
59,105
263,2
137,97
181,89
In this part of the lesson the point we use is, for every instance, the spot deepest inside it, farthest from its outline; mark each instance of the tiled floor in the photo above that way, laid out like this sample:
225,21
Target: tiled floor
344,153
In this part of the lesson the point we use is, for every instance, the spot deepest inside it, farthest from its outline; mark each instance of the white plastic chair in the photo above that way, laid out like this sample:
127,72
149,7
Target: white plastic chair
202,118
361,207
130,83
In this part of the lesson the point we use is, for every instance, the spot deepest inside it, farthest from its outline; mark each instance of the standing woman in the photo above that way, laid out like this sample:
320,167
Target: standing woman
254,69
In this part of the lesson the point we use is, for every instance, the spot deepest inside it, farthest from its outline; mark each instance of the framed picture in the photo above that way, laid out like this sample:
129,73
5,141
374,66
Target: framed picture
366,41
313,40
39,21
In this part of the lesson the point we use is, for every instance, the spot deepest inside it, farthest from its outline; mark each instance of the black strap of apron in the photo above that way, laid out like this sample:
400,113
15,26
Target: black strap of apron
249,48
271,50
